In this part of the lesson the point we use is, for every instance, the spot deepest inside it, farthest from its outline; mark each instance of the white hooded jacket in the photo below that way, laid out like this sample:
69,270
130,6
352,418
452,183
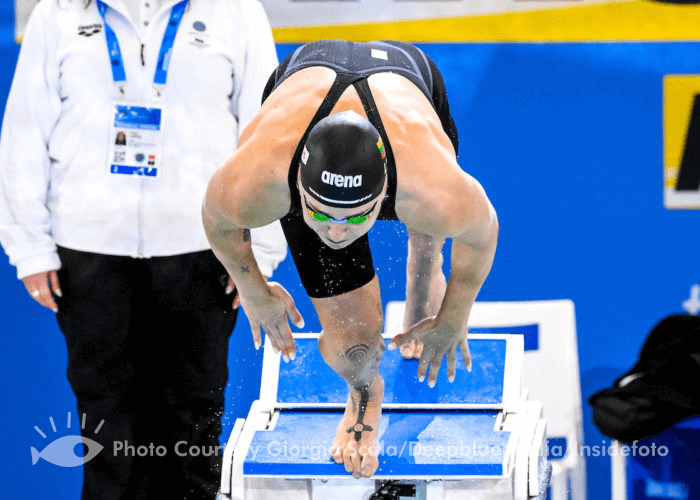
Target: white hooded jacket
55,184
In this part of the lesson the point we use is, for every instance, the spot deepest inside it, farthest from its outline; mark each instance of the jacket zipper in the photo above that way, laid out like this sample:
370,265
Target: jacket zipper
142,186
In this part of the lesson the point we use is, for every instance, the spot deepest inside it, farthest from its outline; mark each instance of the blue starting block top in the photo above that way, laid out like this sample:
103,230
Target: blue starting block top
413,443
308,381
450,431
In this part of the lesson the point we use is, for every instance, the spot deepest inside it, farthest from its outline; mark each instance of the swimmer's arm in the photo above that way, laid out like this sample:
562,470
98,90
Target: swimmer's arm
232,246
243,194
425,281
458,209
223,217
227,216
474,232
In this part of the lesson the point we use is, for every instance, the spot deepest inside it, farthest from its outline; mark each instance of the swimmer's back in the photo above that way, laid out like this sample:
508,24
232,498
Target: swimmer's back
267,145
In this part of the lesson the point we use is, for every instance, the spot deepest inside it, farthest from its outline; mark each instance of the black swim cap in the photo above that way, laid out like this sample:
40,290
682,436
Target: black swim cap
343,163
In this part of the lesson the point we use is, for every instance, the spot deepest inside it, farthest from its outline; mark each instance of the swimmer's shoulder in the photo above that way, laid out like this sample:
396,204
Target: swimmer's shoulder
444,202
415,132
431,187
305,89
258,171
256,180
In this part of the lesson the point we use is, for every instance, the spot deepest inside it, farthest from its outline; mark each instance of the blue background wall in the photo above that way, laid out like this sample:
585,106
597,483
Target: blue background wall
567,141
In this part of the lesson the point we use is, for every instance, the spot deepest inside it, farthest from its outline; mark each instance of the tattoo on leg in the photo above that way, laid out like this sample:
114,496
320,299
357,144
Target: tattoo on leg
356,354
245,269
363,361
360,426
246,235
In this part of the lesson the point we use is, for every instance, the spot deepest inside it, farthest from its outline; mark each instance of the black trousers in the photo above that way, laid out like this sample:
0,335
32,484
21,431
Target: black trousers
147,347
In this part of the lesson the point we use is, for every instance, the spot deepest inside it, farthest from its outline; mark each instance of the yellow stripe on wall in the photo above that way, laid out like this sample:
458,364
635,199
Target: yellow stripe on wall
638,20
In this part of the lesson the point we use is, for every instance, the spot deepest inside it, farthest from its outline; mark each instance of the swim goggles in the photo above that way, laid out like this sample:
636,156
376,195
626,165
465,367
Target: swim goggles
356,220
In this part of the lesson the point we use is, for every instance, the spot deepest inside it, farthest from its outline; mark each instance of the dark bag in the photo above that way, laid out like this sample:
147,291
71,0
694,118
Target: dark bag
661,389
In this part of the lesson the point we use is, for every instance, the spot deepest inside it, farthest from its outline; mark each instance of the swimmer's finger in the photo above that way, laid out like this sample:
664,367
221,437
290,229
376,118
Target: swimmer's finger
466,355
400,339
292,311
275,346
416,332
288,348
255,330
435,363
451,364
273,336
425,358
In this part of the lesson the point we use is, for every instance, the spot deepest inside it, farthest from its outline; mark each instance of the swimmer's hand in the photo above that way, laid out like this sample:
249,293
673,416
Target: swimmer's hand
231,286
439,339
270,312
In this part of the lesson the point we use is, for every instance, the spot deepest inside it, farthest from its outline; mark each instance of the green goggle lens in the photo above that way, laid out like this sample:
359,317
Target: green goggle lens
360,219
318,216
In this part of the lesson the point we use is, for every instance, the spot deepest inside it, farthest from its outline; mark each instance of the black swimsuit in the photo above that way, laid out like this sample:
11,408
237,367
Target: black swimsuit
323,271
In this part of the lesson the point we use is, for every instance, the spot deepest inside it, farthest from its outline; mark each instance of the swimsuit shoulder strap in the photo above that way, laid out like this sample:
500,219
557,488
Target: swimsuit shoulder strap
363,90
341,82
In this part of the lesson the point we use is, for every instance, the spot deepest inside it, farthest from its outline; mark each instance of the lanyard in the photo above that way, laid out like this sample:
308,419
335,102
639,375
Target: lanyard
166,47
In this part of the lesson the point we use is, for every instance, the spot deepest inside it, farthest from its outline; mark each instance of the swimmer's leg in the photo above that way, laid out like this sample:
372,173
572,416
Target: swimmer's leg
351,344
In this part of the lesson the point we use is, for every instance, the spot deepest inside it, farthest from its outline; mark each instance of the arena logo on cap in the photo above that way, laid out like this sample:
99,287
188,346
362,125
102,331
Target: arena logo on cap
341,180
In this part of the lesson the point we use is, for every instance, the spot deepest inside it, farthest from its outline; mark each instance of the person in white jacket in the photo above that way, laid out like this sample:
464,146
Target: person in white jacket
119,113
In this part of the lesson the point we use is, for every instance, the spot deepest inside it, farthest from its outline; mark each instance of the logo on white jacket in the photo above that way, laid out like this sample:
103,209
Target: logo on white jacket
199,38
89,30
341,180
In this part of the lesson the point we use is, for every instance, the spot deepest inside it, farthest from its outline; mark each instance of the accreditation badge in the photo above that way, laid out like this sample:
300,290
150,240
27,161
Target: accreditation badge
136,140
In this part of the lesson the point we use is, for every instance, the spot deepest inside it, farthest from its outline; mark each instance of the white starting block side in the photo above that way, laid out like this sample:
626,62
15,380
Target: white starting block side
553,358
494,383
551,374
227,465
476,436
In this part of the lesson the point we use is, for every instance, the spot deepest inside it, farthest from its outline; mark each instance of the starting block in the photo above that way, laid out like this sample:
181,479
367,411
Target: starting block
478,436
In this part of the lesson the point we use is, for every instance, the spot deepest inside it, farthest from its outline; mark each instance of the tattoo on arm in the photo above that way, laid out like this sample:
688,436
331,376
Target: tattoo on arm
246,238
